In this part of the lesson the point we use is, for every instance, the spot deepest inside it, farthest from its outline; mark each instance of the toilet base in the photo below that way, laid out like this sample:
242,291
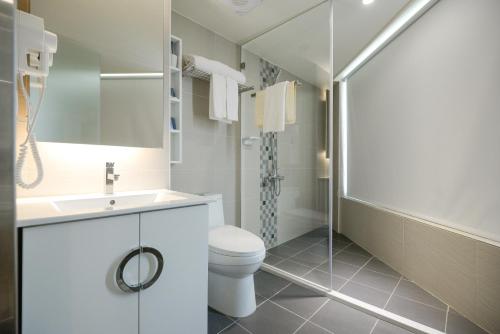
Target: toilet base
231,296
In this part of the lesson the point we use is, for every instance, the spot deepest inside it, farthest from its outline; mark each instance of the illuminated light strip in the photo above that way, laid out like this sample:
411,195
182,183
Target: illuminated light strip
151,75
410,13
343,116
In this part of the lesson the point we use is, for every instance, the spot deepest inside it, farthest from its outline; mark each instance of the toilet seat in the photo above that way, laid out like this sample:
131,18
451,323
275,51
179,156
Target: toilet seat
230,245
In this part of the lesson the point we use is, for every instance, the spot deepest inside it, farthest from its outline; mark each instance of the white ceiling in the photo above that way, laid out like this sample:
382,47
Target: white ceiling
301,45
220,18
128,34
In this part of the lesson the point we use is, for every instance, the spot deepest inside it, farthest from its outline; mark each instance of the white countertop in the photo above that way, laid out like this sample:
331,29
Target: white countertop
34,211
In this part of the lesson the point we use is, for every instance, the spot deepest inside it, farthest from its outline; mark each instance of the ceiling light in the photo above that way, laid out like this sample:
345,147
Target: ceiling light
242,7
367,2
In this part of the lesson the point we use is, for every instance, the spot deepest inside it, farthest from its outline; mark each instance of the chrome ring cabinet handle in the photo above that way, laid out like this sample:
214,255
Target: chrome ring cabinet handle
140,286
159,266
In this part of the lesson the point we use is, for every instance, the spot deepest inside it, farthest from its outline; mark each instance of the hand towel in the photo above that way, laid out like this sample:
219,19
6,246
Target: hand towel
274,107
217,96
259,108
291,104
232,99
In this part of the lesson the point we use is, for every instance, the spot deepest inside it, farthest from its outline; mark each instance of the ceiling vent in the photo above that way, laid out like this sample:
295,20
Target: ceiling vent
242,7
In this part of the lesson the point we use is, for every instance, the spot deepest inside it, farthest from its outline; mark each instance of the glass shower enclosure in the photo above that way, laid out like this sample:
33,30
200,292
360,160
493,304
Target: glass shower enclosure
285,174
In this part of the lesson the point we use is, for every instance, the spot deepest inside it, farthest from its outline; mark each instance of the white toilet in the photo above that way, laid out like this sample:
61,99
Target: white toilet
234,256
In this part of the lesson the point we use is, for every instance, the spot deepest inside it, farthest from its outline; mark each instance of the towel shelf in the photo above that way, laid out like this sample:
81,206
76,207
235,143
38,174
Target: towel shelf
192,71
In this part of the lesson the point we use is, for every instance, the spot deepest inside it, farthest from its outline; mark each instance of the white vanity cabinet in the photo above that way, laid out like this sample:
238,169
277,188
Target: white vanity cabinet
70,274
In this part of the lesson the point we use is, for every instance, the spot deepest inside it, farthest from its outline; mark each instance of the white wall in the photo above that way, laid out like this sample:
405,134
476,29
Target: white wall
423,120
250,156
78,169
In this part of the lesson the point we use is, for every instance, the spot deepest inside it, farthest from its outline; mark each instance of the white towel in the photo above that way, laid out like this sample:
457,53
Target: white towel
291,108
212,66
217,96
232,99
259,108
275,107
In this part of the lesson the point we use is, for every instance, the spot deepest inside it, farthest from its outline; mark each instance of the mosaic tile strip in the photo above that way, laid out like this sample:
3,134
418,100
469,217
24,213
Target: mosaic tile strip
268,153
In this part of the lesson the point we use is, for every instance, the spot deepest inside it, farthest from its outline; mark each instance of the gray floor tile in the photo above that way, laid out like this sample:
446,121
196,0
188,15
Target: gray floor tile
366,294
299,300
293,267
352,258
319,250
412,291
267,285
217,321
236,329
379,266
376,280
324,243
337,236
298,243
340,244
340,269
341,319
372,284
460,325
310,328
323,279
283,251
418,312
383,327
272,259
270,318
321,232
309,259
312,239
259,300
354,248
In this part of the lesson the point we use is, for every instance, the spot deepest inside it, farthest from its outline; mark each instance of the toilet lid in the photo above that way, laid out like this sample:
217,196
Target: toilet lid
233,241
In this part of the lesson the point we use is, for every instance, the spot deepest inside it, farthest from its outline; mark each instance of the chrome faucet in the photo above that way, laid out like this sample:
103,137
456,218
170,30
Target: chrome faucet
111,177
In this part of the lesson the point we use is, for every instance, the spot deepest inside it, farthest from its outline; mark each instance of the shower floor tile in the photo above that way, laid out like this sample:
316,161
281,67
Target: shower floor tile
365,293
360,275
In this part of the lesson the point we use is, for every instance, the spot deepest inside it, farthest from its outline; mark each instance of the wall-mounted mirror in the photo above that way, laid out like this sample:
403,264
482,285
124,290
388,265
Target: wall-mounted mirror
106,84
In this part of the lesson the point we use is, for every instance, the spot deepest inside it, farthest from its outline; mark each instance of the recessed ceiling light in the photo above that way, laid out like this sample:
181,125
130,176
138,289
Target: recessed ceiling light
367,2
242,7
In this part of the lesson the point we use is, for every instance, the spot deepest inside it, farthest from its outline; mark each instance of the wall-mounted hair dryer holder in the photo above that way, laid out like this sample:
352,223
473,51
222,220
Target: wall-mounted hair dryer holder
35,50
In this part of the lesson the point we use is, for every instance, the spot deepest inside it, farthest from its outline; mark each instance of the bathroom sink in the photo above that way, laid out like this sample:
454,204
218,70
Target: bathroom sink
54,209
111,202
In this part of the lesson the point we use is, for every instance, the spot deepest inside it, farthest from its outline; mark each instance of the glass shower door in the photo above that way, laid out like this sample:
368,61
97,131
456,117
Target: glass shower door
284,175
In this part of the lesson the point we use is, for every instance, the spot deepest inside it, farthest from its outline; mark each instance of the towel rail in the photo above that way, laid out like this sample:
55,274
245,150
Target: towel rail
191,71
297,83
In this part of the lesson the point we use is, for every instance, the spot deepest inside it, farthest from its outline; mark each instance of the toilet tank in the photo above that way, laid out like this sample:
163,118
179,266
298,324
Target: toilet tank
215,210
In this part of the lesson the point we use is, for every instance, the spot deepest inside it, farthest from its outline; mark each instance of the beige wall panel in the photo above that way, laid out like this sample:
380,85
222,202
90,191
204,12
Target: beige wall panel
488,286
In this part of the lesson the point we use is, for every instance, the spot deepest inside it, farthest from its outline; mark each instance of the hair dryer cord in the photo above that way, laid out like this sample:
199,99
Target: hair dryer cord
30,141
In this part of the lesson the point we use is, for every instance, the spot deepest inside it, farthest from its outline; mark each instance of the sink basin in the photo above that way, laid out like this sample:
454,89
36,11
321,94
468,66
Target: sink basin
111,202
